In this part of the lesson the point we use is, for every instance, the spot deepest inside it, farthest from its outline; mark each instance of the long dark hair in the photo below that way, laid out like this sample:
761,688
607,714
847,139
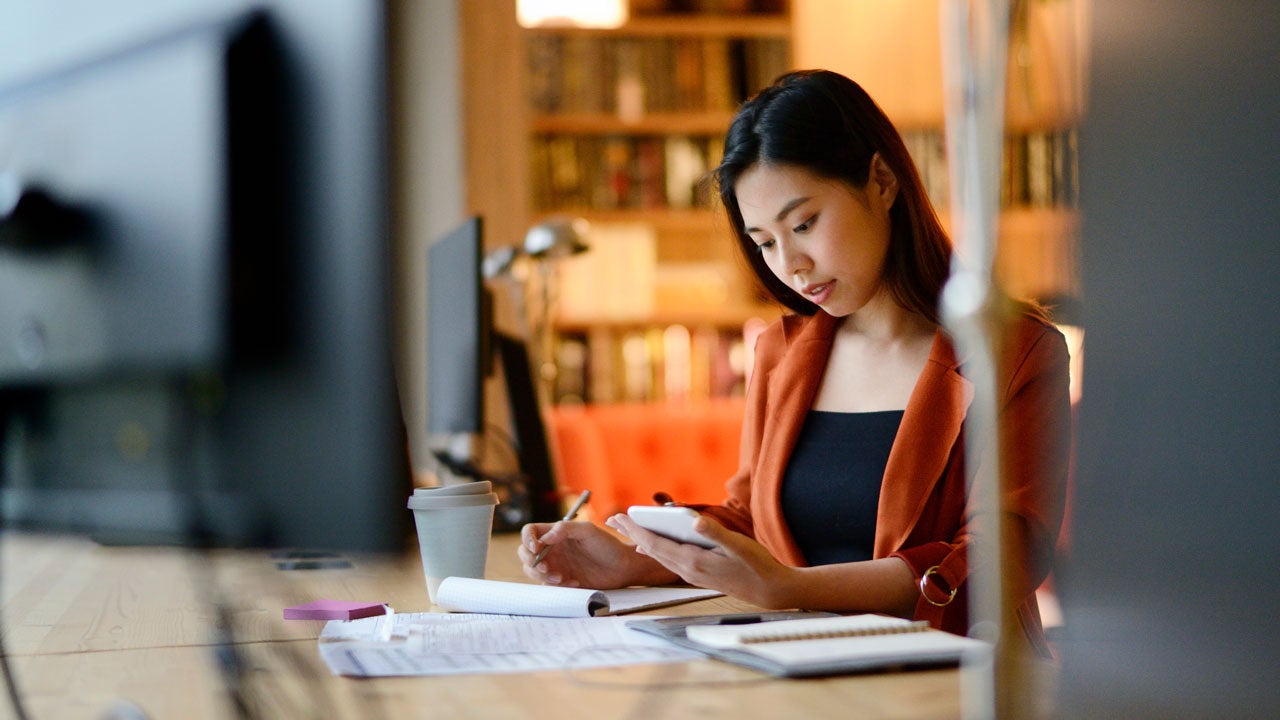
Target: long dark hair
827,124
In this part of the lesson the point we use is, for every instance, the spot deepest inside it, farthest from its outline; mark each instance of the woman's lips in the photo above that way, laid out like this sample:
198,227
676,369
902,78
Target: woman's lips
818,293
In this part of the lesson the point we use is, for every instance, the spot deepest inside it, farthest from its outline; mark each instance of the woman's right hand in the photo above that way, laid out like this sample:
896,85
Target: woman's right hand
582,554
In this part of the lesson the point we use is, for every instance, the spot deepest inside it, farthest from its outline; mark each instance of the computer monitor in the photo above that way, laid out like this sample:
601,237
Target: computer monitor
195,330
462,345
459,325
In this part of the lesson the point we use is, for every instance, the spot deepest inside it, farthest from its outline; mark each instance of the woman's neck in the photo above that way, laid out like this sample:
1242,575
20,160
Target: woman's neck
883,321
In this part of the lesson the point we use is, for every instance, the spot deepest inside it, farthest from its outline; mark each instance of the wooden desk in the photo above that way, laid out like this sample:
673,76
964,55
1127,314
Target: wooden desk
87,626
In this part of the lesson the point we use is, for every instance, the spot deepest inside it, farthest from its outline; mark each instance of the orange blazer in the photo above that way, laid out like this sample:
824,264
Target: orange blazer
924,515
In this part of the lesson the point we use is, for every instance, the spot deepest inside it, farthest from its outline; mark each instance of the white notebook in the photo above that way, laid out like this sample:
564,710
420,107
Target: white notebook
830,645
474,595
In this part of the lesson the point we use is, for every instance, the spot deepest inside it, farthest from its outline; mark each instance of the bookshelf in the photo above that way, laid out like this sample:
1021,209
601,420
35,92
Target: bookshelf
624,125
631,118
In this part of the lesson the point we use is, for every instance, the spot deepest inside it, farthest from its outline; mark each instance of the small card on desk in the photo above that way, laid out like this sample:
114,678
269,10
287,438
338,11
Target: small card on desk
334,610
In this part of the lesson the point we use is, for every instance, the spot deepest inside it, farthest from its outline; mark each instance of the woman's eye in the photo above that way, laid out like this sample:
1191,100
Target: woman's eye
764,245
805,226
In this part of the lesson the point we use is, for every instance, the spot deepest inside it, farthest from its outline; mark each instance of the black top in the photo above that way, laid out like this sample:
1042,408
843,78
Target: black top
831,488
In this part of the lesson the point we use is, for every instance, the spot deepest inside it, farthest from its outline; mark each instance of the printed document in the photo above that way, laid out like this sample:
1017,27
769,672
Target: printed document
410,644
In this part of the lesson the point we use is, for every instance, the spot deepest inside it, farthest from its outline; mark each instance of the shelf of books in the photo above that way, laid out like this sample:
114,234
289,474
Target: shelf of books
1036,257
661,359
630,328
626,125
633,118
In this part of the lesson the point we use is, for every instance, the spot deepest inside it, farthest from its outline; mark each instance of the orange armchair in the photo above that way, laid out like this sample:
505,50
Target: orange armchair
624,453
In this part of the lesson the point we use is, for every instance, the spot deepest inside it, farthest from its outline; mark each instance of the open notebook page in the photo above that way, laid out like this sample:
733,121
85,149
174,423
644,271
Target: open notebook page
476,595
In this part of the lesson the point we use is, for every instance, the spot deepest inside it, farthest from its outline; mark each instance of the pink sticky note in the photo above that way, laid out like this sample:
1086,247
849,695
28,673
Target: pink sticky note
334,610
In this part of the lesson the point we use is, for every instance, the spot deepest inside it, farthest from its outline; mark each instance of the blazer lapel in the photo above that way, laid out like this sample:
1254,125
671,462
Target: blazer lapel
930,428
792,387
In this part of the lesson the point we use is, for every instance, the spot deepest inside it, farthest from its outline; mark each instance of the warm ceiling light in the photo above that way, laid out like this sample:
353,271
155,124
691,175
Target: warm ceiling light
575,13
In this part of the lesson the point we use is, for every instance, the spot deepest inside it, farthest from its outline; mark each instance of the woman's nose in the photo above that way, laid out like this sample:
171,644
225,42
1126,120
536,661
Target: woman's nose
794,260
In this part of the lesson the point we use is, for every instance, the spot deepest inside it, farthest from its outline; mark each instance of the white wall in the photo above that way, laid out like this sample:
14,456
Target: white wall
430,180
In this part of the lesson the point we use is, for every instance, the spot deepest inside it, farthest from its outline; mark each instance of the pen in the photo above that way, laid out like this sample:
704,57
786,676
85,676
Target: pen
573,512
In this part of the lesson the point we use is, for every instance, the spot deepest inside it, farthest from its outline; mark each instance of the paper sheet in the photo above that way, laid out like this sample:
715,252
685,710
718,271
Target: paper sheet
631,599
477,595
455,644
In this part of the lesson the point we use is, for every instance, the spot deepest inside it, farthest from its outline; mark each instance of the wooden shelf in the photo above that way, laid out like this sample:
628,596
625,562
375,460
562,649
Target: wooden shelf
661,218
1037,253
688,25
728,318
684,235
677,123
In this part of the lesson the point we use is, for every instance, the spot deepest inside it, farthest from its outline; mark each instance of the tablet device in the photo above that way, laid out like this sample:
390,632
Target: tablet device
669,521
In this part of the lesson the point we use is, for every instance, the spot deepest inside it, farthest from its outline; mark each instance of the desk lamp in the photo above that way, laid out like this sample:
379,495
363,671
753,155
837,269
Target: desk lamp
544,245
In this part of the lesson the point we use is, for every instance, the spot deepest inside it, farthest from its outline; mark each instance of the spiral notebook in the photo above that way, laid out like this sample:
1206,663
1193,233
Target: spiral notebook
792,646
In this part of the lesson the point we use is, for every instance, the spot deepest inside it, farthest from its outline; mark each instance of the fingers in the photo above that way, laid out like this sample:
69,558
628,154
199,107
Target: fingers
628,527
532,535
538,548
722,536
534,538
553,534
647,542
531,573
533,561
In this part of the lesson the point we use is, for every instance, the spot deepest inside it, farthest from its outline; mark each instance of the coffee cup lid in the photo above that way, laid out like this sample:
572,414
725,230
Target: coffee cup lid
437,502
476,487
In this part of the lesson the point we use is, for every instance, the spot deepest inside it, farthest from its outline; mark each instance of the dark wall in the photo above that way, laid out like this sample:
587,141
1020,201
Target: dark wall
1172,595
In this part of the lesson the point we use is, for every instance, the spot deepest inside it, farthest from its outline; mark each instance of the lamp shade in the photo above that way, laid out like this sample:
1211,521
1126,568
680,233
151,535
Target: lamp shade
556,239
572,13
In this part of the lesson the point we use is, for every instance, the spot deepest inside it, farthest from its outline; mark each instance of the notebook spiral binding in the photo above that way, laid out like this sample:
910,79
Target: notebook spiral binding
764,637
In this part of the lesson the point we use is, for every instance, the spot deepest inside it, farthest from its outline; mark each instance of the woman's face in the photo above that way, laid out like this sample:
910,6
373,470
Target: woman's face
823,238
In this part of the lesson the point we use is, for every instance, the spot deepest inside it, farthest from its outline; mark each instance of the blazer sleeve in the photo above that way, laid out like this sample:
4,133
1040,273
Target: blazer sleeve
1034,425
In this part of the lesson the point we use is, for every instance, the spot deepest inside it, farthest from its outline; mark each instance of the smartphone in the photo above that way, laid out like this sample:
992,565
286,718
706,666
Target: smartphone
669,521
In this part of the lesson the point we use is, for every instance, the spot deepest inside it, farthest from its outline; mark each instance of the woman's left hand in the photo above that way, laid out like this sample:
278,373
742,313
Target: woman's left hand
738,565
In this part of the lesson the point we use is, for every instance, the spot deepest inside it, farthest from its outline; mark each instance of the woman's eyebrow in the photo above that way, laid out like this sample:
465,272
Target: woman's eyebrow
786,209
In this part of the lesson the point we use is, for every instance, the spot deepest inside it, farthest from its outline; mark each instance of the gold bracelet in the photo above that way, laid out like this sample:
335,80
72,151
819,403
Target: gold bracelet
924,581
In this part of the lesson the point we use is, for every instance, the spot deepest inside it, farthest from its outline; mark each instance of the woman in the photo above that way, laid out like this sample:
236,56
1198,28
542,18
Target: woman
850,494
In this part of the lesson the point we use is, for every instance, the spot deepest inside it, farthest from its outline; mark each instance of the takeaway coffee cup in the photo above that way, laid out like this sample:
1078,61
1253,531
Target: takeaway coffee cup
454,524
